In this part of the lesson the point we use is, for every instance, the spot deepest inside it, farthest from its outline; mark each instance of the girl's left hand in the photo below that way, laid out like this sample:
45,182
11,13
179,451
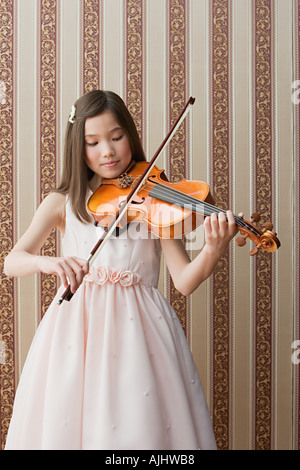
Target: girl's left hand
187,275
219,231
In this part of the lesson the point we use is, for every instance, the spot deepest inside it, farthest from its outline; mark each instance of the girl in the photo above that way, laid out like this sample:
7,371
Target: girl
111,369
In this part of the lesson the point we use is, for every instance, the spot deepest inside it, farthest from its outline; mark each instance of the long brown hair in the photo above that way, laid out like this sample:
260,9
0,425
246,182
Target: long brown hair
76,174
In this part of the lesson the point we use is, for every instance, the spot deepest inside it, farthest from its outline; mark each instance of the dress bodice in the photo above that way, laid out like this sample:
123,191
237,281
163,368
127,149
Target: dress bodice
134,250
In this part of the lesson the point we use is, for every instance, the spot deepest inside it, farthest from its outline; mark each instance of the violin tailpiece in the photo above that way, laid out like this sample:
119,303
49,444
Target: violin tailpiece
124,181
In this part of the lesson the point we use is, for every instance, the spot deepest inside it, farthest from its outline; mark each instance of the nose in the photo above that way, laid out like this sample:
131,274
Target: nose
107,149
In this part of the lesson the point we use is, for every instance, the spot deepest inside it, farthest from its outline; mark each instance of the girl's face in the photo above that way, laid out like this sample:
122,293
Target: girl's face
107,148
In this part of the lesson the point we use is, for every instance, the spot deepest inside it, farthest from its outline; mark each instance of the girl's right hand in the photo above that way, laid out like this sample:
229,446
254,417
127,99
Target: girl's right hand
71,270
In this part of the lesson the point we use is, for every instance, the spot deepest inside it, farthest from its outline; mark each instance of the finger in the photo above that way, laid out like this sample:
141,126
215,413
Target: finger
77,269
222,224
65,273
63,277
232,228
214,222
81,270
84,264
69,268
207,226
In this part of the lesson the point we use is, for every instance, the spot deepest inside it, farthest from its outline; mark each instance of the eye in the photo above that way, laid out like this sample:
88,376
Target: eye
116,139
91,144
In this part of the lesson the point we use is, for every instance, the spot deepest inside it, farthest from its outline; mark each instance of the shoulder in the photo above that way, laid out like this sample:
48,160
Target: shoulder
55,201
53,207
55,198
49,215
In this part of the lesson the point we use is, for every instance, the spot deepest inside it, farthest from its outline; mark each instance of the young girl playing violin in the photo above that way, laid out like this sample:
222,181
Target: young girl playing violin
110,369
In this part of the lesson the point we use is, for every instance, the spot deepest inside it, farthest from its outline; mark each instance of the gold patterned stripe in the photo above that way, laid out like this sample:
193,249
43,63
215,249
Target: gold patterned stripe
263,126
48,130
221,285
135,76
7,385
91,45
177,85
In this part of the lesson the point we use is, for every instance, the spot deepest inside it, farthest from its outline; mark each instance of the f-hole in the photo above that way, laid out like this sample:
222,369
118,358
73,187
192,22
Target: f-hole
141,201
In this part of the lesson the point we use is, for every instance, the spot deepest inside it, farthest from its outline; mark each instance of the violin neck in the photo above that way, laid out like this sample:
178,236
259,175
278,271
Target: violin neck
173,196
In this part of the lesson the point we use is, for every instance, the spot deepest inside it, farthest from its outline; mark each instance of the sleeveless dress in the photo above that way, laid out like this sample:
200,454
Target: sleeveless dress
111,368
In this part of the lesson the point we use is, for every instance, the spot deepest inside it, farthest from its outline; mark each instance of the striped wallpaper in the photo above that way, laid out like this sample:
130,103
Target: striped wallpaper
240,59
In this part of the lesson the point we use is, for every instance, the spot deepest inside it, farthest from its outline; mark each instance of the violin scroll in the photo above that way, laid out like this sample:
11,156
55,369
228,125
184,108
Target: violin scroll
265,239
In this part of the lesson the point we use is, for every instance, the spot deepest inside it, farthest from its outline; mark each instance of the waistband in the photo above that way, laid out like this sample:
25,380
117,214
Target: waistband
101,275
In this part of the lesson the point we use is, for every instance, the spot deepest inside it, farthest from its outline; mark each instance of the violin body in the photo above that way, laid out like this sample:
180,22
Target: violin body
165,220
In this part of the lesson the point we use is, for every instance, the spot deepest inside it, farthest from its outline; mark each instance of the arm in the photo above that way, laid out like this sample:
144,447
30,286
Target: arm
24,259
188,275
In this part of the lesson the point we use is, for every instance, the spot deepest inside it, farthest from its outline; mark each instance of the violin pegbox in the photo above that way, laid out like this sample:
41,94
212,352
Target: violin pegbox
265,239
241,241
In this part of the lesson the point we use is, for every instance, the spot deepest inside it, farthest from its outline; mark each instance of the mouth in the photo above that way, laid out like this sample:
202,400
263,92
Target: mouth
110,164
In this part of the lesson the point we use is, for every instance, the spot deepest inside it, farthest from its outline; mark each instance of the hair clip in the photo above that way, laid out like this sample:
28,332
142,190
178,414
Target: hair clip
72,115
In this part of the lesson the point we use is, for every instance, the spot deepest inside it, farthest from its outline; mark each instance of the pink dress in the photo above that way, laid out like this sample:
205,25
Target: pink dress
111,369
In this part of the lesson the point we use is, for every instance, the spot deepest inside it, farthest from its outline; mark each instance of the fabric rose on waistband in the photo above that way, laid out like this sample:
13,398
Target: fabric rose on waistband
102,274
129,278
98,275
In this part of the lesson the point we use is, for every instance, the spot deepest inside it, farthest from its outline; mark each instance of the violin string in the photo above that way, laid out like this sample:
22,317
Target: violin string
183,200
203,207
178,198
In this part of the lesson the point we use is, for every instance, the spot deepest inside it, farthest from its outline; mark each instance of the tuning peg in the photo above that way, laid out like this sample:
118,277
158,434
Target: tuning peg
268,226
241,241
254,250
255,217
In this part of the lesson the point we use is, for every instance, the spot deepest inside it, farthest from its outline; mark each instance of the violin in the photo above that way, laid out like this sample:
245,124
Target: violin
169,210
134,196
